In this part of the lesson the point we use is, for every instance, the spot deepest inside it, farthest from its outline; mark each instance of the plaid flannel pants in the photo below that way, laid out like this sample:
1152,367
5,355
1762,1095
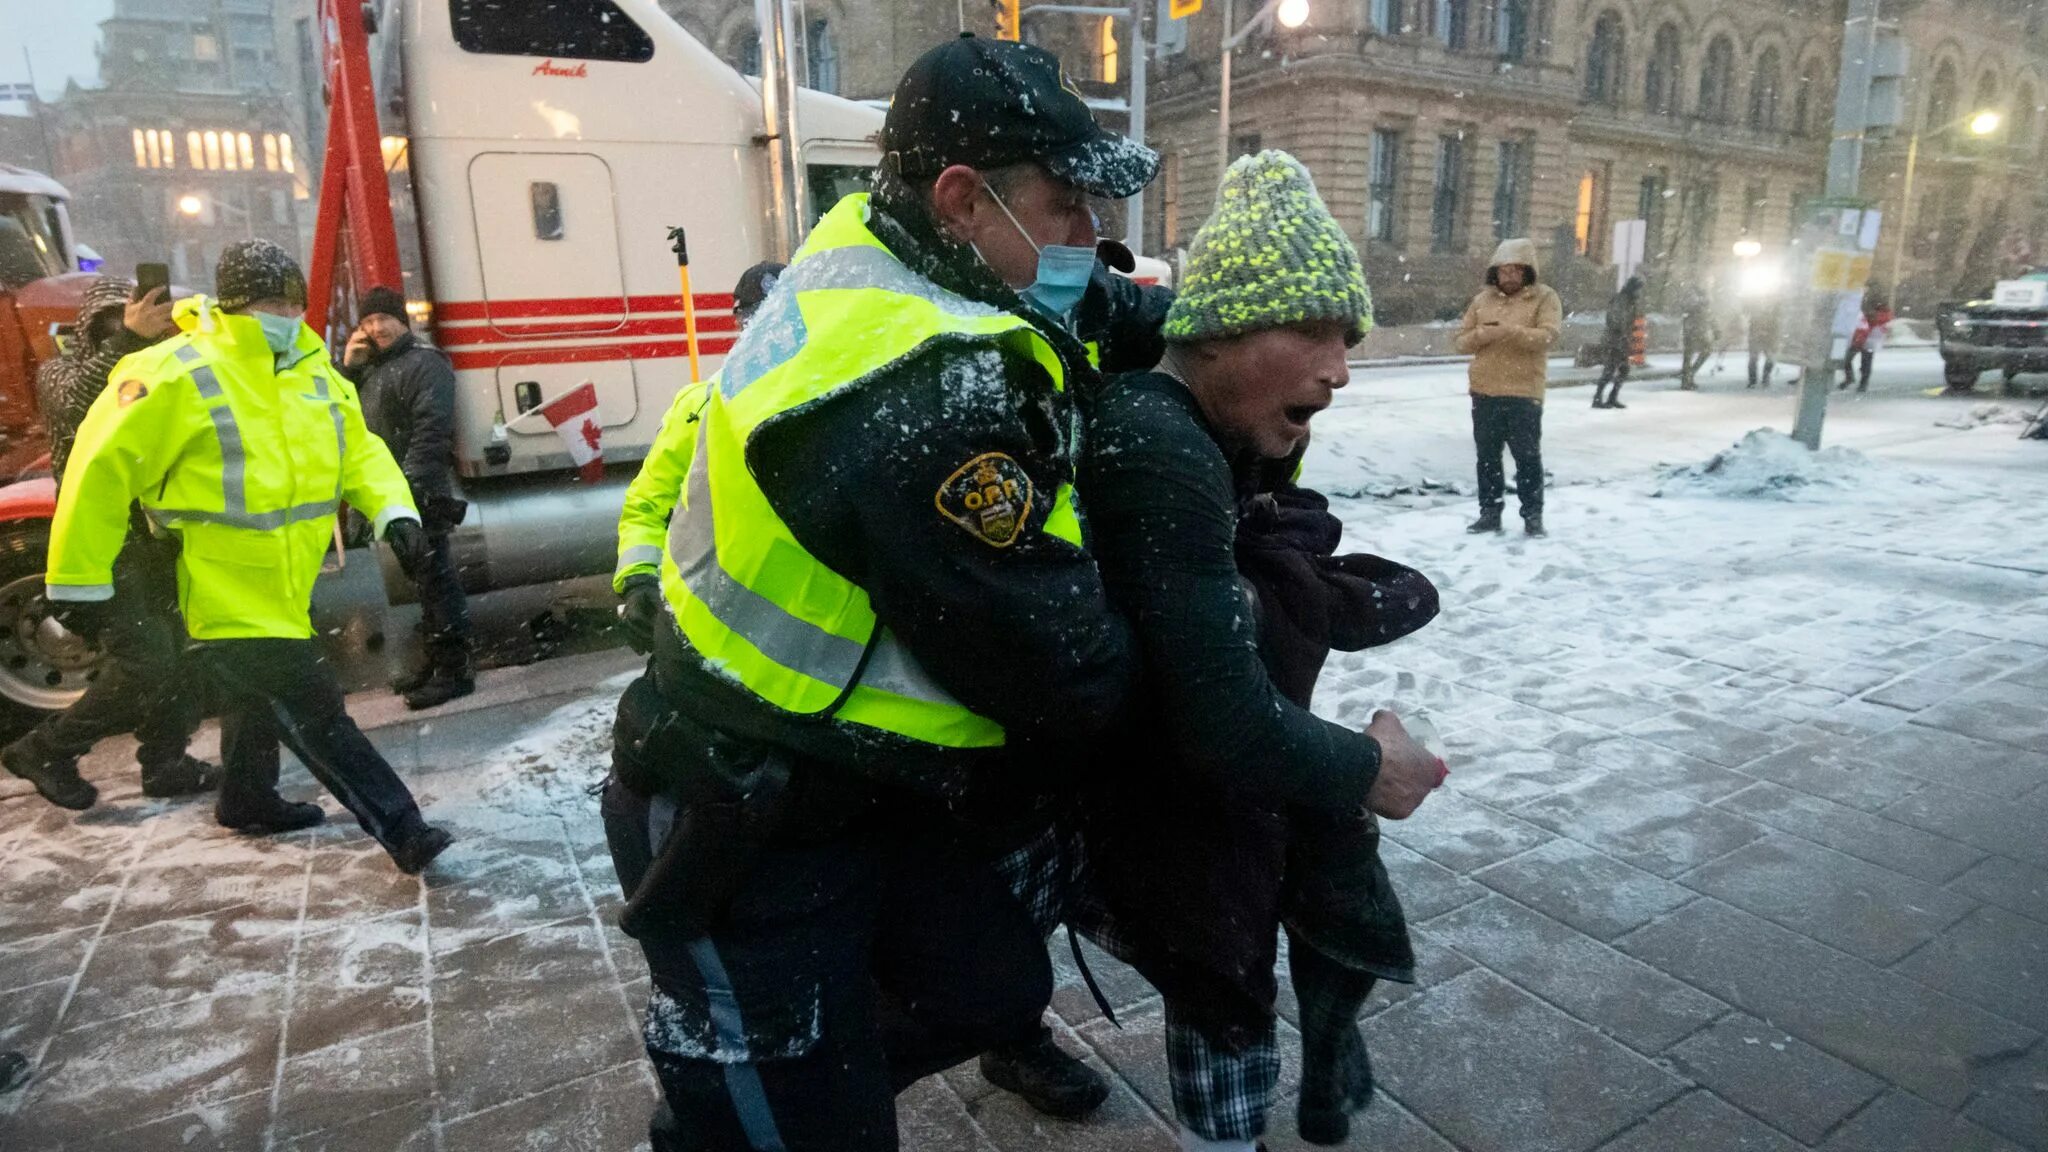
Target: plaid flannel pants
1219,1093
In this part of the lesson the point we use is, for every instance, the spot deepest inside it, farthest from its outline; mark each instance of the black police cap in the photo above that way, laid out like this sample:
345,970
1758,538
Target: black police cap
990,103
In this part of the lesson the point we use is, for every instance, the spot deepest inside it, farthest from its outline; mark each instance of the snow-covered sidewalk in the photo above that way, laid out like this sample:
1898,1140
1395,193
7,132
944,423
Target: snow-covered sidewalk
1741,848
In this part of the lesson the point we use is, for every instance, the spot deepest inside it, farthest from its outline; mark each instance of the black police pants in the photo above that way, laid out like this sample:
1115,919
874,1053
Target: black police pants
444,609
277,690
1514,423
140,686
845,972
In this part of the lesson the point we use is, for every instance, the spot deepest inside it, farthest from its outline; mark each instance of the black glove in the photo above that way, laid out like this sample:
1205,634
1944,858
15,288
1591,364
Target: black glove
408,542
640,611
82,618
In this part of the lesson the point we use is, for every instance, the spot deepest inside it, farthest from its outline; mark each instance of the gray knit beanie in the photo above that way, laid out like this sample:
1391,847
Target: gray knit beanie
1271,255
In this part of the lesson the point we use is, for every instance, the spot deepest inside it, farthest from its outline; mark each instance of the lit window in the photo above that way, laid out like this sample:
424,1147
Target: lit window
1105,45
169,147
242,143
227,151
270,152
194,154
141,152
213,151
284,151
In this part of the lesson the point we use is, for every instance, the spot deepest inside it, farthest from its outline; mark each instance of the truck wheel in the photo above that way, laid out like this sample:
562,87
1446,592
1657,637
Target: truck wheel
43,668
1958,378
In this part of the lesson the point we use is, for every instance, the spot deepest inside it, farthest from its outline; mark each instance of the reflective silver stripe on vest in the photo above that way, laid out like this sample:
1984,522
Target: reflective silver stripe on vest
788,640
234,460
780,332
637,555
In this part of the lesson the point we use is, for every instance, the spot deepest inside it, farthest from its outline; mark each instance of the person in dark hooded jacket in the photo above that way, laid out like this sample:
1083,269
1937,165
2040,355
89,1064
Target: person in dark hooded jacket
408,392
1617,349
138,688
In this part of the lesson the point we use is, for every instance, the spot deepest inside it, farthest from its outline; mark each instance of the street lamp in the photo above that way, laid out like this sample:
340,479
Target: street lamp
1747,249
1983,123
1289,14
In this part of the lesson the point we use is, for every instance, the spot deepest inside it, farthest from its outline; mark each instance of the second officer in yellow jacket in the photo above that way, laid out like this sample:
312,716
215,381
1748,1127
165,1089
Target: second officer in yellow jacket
240,438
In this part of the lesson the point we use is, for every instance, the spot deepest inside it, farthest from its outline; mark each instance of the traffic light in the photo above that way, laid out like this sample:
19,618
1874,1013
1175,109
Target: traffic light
1009,25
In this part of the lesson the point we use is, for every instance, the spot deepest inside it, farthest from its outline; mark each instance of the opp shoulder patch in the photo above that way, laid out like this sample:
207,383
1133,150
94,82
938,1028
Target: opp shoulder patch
990,496
130,391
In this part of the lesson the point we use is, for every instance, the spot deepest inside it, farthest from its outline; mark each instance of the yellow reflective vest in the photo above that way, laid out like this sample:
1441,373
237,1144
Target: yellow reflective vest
242,454
753,603
651,497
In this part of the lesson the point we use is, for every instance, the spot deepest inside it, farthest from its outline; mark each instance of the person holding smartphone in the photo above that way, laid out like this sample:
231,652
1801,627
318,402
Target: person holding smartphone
1508,331
141,636
408,393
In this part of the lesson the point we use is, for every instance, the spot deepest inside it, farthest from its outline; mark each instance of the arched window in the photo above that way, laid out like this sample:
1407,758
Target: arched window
2023,119
1986,98
1763,93
1661,79
1453,23
1802,101
1511,29
1941,102
1605,64
1717,82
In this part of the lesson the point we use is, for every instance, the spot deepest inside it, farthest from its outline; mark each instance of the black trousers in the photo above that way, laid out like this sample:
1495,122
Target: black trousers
277,690
140,686
845,972
1698,345
1858,358
1515,423
1759,356
444,609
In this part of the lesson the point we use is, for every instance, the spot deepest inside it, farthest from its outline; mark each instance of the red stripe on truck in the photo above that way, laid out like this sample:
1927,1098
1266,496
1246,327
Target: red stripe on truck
469,335
587,353
575,306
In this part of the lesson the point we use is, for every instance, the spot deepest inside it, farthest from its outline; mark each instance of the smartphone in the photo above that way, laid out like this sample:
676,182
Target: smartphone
149,277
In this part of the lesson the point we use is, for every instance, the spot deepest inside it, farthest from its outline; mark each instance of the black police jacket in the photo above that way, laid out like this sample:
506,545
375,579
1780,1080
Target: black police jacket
1019,630
408,396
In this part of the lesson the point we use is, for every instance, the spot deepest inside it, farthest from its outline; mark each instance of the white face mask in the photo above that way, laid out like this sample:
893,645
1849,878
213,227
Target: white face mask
280,332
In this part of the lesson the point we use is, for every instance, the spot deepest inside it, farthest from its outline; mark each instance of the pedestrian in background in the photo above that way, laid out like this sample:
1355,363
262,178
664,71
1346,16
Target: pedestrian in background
1618,348
1508,331
241,438
1696,318
1871,331
1762,317
138,687
408,394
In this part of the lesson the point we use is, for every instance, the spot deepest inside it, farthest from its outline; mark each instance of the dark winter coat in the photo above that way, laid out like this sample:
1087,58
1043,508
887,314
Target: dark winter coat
1623,310
1218,755
67,385
1021,634
408,395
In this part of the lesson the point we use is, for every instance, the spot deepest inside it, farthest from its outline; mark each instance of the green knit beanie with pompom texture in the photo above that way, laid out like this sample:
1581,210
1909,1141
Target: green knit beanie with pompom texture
1271,255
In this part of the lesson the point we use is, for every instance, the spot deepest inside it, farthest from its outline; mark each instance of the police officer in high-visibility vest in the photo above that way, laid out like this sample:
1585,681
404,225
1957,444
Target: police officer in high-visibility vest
241,439
879,627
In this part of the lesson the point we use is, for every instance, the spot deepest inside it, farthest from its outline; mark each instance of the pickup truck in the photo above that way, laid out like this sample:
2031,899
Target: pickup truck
2008,332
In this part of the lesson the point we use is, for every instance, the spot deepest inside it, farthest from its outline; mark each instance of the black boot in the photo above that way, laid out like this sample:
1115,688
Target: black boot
1532,524
1048,1079
57,779
185,776
1599,396
1489,521
414,680
419,848
279,816
444,686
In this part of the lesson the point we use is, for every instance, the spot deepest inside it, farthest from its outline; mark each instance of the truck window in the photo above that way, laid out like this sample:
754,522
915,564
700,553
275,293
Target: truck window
31,247
547,210
831,183
564,29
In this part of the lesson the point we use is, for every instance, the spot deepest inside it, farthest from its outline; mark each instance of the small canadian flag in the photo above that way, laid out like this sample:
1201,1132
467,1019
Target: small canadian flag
574,417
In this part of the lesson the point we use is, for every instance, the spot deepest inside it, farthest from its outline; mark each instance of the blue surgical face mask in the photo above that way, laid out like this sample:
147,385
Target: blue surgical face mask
280,332
1063,271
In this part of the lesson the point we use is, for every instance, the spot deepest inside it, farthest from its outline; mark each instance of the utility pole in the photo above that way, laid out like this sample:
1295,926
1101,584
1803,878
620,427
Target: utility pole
1223,93
35,104
1134,212
1845,166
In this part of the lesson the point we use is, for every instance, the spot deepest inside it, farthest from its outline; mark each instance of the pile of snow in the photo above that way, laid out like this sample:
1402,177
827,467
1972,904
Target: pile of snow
1769,465
1983,414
